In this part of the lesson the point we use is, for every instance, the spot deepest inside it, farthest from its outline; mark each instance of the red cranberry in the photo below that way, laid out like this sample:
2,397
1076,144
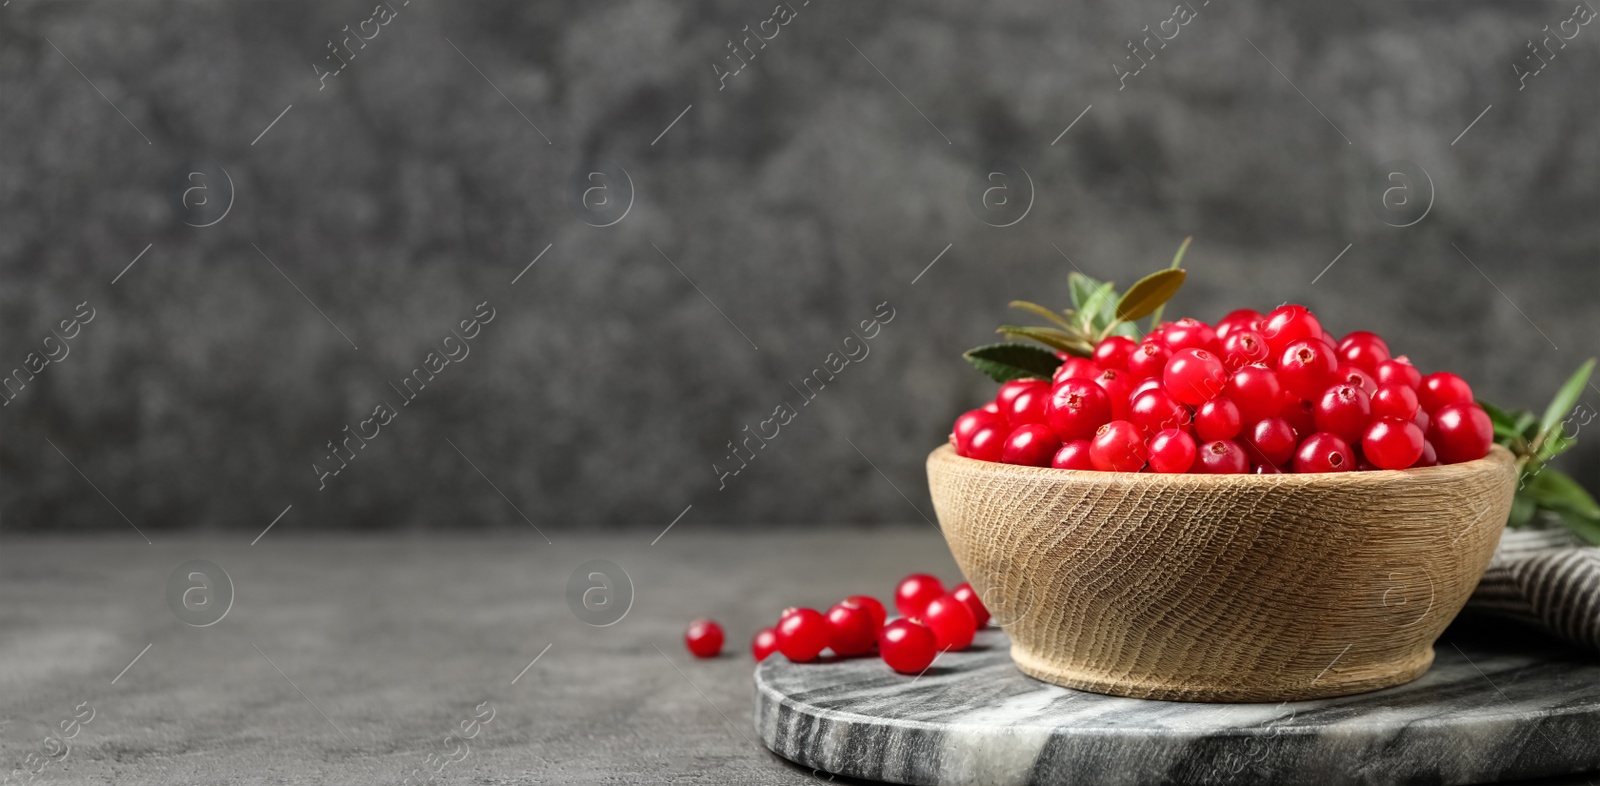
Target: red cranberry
914,592
850,630
1028,406
1154,410
1221,457
967,425
1394,400
1153,383
1077,368
1271,441
1347,374
1031,445
704,638
1399,370
1149,360
803,634
1189,333
952,623
1171,452
873,607
1076,408
1392,444
1073,455
764,643
1306,368
1194,376
1363,350
1255,391
966,594
1460,432
1288,324
987,443
1244,347
907,647
1441,389
1301,414
1343,410
1322,452
1429,457
1115,384
1217,419
1113,352
1014,388
1265,469
1422,419
1118,447
1241,319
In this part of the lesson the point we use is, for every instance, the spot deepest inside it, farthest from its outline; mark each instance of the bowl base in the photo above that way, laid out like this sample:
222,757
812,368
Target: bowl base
1370,677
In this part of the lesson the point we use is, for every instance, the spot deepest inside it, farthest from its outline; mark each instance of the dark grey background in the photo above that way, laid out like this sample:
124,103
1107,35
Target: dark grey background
796,199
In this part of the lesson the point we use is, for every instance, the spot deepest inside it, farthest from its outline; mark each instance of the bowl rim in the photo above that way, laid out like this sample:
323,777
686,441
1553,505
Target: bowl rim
1497,457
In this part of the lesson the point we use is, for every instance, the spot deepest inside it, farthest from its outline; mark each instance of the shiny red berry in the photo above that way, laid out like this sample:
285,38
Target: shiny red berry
1154,410
803,634
1443,388
1343,411
764,643
1460,432
1244,347
907,647
1189,333
952,623
1392,444
1221,457
1323,452
1270,441
966,594
1217,419
1171,452
704,638
1149,360
1118,388
967,425
1347,374
1255,391
1422,419
850,630
1194,376
1076,408
1399,370
873,607
1031,445
1288,324
1014,388
1077,368
987,443
1118,447
1306,368
1363,350
1241,319
1113,352
914,592
1028,406
1265,469
1073,455
1301,414
1429,457
1394,400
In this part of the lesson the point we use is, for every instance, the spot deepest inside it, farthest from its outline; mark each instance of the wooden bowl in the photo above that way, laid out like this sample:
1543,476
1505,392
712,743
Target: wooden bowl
1222,587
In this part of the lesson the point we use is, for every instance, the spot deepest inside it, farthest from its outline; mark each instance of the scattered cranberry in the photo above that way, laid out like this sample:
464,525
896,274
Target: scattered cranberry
1363,350
803,634
1306,368
1076,408
952,623
1255,390
1343,410
966,594
1461,432
1114,351
1322,452
914,592
1194,376
1271,441
1171,452
1221,457
1217,419
1399,370
1073,455
907,647
1442,389
850,630
1392,444
704,638
1118,447
1395,400
1031,445
764,643
873,607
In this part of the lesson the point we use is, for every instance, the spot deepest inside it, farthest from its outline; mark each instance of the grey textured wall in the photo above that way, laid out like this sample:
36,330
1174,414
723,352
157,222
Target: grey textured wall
818,184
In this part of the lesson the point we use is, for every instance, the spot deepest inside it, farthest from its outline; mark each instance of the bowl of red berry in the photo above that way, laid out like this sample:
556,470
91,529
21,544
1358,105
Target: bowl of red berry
1254,510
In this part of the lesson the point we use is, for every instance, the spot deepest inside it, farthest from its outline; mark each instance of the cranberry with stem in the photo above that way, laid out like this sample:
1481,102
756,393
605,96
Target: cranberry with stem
704,638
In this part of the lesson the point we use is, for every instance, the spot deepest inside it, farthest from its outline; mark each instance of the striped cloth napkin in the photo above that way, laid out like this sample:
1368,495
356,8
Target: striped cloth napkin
1548,577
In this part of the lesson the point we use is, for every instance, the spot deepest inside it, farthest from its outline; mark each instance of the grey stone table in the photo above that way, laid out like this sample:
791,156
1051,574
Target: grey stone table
349,660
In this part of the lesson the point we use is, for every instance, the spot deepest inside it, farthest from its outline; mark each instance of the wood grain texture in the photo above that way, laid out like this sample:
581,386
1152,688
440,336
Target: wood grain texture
1222,588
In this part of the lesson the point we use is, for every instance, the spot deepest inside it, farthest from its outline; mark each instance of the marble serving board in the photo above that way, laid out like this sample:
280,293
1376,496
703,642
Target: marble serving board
1494,708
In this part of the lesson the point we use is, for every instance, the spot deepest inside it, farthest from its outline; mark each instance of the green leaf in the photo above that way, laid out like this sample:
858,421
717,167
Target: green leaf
1524,424
1005,362
1557,444
1155,316
1149,293
1522,507
1095,313
1038,310
1050,337
1565,399
1557,491
1082,287
1586,528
